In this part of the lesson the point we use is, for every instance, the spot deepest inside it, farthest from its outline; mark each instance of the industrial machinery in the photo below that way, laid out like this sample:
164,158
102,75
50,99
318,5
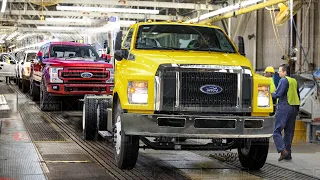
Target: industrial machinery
309,110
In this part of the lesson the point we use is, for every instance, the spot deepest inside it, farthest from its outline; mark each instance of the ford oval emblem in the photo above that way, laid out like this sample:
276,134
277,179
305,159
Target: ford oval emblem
211,89
86,75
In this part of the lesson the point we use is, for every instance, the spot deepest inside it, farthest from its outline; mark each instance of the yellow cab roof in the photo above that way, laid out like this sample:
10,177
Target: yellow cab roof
175,23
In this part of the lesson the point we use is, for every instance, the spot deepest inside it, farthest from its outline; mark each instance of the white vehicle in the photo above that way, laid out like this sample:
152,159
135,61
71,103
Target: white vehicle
23,68
7,65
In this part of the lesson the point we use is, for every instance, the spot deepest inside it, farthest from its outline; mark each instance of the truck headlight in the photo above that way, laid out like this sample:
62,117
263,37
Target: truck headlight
138,92
111,78
263,96
54,75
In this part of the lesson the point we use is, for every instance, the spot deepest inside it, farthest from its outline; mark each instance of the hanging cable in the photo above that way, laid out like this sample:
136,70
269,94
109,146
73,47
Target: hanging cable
277,38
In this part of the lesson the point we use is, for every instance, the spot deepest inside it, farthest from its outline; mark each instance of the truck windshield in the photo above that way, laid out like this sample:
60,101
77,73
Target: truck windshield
74,52
182,37
31,56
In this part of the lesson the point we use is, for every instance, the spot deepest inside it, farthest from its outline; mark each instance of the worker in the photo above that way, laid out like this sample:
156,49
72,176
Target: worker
40,56
287,109
269,72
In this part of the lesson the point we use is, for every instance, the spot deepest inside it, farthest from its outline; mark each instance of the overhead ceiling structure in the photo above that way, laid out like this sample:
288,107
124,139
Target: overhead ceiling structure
37,16
89,13
76,17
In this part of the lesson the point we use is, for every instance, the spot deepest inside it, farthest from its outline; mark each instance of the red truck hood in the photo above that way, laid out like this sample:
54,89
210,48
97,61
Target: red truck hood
73,63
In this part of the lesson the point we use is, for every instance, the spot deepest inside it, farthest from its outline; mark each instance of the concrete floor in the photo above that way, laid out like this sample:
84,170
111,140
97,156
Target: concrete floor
18,156
305,158
21,159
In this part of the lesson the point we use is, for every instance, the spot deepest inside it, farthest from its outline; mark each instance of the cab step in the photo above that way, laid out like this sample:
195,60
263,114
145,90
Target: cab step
105,134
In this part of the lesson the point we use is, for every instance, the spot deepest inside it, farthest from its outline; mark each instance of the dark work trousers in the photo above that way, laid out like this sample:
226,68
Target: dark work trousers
285,119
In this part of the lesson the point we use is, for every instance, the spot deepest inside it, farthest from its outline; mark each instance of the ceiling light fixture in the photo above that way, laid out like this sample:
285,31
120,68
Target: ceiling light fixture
69,20
57,28
224,10
3,36
12,35
4,5
101,9
25,36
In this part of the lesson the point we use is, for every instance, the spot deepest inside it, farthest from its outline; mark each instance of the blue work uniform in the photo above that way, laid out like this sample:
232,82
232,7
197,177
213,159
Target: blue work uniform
285,117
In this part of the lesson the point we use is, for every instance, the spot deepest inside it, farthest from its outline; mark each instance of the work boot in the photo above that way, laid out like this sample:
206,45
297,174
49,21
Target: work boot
284,154
288,157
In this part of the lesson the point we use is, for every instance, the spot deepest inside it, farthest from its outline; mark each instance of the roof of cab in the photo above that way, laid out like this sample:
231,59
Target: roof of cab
68,43
31,51
177,23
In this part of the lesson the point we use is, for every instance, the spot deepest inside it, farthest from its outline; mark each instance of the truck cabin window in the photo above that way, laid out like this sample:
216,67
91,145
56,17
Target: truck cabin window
31,56
182,37
74,52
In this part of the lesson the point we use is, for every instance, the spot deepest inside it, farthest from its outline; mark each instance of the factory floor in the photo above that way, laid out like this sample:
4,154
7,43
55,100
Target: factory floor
24,158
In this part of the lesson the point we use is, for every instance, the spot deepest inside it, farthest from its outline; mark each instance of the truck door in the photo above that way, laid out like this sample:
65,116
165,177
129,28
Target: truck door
7,65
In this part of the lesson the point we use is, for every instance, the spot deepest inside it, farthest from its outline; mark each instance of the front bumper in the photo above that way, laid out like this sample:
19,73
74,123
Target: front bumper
79,89
197,126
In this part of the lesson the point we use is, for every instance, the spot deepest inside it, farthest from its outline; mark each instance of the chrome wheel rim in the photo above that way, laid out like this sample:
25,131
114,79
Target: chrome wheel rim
117,137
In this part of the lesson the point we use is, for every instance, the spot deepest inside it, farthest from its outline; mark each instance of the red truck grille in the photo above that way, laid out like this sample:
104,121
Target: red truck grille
73,75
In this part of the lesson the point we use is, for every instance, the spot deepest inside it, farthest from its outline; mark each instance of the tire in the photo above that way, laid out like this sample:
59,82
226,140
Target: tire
253,153
103,114
25,85
20,83
34,91
126,147
48,102
89,119
17,80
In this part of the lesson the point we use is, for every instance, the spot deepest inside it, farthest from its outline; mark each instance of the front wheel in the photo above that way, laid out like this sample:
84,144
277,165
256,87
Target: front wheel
253,153
126,147
48,102
89,119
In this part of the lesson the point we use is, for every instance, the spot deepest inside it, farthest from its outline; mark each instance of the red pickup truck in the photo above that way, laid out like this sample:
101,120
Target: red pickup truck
68,71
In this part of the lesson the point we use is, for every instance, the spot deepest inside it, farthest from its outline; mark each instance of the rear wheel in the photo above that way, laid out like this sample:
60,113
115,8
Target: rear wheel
25,85
34,91
126,147
103,114
253,153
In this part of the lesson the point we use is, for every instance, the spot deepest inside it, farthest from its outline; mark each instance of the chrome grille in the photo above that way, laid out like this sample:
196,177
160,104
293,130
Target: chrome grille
191,82
178,89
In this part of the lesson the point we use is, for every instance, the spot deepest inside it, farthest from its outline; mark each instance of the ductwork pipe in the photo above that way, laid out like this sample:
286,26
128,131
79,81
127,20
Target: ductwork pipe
242,11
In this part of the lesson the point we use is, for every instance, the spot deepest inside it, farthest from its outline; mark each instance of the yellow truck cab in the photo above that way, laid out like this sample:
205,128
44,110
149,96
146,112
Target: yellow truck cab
179,82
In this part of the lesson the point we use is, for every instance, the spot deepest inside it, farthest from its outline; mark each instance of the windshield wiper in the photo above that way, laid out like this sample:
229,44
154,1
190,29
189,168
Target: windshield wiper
159,48
207,49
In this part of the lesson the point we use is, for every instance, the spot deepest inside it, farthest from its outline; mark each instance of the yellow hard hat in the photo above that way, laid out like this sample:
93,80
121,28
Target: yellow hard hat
269,69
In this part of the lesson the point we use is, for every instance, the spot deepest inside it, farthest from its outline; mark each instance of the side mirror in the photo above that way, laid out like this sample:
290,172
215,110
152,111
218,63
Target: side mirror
12,62
121,54
241,46
118,42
